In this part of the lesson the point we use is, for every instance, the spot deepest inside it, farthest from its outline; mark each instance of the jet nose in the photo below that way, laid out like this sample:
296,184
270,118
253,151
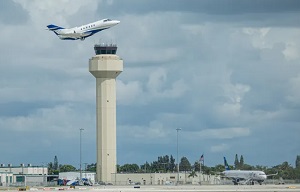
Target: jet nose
114,22
263,177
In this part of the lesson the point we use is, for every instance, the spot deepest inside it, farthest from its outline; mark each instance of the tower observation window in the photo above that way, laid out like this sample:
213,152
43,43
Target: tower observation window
105,49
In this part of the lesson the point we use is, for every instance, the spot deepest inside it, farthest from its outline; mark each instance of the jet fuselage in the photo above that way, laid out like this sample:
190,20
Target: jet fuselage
83,31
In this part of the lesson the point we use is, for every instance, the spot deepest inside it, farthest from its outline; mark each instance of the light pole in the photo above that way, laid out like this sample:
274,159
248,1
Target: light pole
178,129
43,173
6,178
85,169
81,129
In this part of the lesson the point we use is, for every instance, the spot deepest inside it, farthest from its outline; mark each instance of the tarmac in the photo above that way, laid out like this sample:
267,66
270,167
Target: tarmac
168,188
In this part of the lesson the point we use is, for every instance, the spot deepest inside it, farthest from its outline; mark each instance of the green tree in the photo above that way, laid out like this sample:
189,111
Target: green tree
67,168
129,168
184,164
163,163
146,168
218,169
241,164
172,165
260,167
298,161
207,170
236,162
204,169
286,171
53,168
91,167
196,166
192,174
55,163
248,167
50,168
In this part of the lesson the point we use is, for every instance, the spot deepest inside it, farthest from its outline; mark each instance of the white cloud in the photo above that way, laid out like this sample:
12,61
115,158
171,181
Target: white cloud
60,119
156,81
267,38
157,86
130,93
292,51
55,90
294,90
225,133
235,93
209,137
231,109
43,11
154,132
146,42
258,36
219,148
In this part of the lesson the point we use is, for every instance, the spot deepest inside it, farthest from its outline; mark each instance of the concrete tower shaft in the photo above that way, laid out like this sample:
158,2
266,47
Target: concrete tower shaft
105,68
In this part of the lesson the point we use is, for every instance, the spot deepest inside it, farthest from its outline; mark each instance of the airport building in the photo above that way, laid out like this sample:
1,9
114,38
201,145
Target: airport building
163,179
23,175
6,178
23,169
67,178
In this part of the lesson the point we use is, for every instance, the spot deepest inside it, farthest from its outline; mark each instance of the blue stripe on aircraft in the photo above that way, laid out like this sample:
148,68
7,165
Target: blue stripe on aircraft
54,27
68,38
92,32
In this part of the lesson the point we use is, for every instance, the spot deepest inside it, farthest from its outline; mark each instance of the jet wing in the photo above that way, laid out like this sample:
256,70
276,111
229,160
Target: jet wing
75,35
272,174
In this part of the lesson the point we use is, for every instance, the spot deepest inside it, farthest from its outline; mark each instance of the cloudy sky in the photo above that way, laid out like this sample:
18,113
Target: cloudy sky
227,72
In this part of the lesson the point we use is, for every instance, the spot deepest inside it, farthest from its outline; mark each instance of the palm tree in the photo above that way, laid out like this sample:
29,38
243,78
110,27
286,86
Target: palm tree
193,174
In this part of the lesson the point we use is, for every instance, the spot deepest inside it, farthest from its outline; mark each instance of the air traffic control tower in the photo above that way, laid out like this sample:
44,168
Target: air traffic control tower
105,67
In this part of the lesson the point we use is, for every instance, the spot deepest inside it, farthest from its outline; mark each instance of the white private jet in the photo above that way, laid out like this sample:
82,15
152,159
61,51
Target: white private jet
83,31
244,176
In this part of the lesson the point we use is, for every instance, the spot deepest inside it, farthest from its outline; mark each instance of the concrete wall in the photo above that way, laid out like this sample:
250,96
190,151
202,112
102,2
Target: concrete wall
6,178
26,170
162,179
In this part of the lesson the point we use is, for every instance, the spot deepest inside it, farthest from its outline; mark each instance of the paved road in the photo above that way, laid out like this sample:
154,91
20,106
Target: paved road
181,188
211,188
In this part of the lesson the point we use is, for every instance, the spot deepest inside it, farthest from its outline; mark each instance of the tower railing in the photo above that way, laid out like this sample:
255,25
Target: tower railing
105,48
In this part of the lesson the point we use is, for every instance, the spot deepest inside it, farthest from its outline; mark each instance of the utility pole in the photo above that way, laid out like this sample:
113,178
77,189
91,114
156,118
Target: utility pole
85,165
200,172
178,129
81,129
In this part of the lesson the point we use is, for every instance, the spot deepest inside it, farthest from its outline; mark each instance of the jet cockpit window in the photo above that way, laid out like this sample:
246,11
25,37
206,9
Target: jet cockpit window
106,20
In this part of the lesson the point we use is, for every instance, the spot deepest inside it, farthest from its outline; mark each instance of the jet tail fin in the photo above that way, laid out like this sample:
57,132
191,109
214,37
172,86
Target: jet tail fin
54,28
226,164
